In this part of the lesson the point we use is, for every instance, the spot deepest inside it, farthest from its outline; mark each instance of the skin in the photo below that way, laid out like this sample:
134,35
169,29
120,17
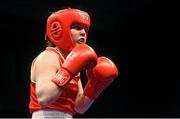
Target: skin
78,33
47,92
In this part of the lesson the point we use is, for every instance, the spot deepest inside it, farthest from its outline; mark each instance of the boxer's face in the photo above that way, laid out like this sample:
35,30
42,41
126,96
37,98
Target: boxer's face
78,34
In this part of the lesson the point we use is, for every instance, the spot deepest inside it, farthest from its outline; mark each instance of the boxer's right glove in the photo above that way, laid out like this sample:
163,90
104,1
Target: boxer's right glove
82,56
100,77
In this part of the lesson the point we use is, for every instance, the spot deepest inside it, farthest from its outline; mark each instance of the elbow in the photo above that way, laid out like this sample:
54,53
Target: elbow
46,96
42,102
42,99
80,111
83,104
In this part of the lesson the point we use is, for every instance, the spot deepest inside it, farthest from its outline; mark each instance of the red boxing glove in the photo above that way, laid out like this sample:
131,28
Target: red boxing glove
82,56
100,77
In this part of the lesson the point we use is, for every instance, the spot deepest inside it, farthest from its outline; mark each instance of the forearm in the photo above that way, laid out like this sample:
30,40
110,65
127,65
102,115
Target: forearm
83,103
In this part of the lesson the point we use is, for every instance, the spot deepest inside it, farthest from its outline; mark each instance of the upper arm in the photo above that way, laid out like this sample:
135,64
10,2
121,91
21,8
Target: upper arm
45,67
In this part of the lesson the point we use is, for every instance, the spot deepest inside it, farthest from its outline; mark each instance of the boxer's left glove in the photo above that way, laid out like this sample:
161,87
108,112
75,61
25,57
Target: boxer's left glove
100,77
82,56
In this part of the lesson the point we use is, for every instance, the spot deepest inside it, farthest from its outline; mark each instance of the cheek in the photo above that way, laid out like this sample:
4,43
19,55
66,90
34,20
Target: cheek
73,34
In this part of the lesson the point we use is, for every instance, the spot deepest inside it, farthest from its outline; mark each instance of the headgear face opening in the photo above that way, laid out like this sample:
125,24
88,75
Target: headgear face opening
59,25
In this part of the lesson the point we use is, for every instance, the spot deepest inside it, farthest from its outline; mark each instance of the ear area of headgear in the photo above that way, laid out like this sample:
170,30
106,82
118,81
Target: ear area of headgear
54,29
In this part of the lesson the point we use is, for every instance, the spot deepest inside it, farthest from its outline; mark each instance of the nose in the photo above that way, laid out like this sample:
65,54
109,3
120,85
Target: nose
83,32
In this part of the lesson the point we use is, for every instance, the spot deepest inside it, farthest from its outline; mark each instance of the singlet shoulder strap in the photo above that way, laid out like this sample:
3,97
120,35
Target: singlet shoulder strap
51,49
60,57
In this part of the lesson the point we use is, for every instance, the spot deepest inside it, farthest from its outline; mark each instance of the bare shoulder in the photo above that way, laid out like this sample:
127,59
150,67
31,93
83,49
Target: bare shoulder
45,65
48,58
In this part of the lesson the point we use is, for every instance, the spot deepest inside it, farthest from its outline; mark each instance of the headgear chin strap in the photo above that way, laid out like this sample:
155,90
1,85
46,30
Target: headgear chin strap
59,25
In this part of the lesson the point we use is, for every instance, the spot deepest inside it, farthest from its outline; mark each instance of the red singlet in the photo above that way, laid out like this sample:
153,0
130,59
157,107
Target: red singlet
66,101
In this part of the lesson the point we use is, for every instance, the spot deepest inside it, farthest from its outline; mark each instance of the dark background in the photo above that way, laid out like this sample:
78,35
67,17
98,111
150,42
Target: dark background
138,35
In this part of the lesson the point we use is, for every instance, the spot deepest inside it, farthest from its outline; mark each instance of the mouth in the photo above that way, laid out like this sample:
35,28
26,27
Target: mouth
81,40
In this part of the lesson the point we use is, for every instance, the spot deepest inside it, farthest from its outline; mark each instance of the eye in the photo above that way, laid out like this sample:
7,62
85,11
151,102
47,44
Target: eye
78,27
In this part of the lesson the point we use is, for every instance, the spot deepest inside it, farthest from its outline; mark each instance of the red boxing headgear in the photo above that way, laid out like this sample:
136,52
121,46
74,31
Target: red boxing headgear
59,25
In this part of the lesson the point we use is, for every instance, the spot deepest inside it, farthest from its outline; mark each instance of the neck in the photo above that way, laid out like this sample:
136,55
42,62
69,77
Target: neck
62,52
